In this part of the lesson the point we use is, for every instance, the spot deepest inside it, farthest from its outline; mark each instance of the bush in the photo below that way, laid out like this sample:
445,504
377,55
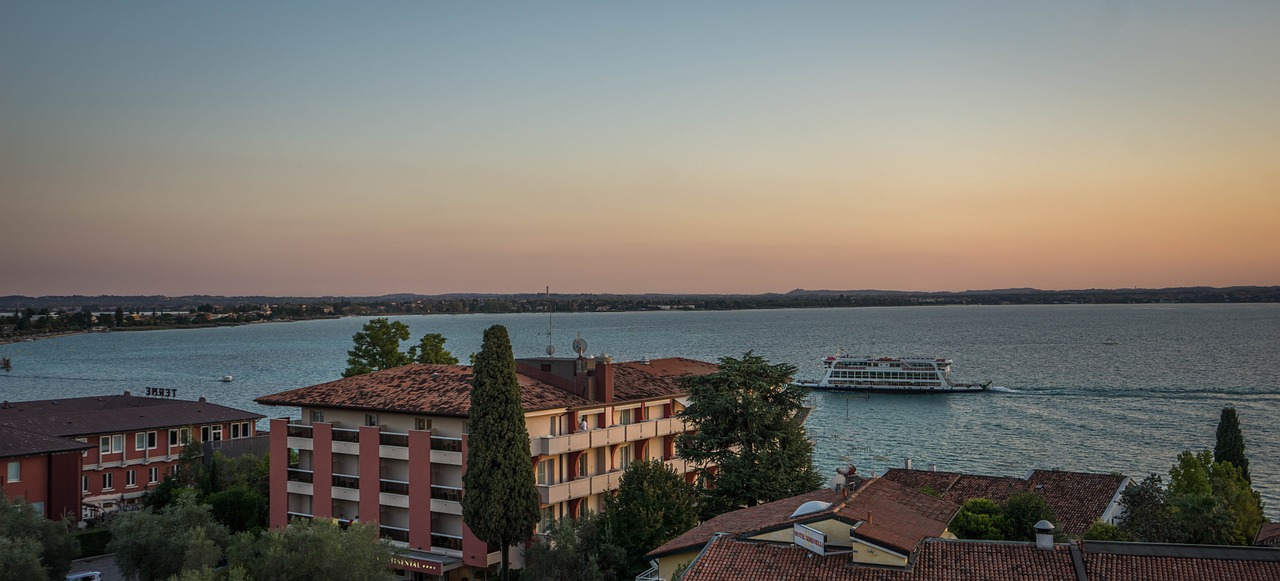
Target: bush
93,542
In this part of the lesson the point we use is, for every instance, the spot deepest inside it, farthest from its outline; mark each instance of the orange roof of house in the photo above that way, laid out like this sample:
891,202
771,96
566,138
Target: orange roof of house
1076,498
446,389
894,516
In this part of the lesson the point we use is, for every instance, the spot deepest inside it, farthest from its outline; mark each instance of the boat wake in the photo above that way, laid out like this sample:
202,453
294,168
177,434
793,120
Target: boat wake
1003,389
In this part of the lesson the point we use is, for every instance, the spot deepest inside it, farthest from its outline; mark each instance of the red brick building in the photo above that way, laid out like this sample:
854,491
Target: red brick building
43,470
126,443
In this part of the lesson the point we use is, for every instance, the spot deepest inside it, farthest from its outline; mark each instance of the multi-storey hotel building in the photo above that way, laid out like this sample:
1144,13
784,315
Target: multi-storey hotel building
391,447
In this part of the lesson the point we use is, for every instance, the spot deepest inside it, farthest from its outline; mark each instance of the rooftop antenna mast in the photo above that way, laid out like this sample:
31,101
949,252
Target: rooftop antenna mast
551,349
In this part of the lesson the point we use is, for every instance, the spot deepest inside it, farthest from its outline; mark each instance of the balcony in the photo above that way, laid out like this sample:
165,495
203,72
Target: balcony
449,493
299,431
395,533
300,475
451,542
582,487
346,481
393,486
444,444
393,439
563,444
346,435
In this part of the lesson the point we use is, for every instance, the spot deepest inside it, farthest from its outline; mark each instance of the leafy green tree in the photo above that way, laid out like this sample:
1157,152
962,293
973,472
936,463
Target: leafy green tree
1230,442
206,574
653,505
1216,504
1148,515
1190,476
313,549
239,507
1239,498
749,420
153,546
1021,512
1105,531
27,538
377,347
577,550
501,500
430,350
979,518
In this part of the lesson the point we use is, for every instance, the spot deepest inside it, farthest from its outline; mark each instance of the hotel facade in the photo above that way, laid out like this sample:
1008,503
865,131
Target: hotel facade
391,447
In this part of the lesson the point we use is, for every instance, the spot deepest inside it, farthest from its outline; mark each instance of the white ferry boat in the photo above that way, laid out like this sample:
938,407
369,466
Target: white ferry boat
844,372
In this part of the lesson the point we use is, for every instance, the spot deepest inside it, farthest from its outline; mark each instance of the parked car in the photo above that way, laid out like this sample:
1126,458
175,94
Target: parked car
85,576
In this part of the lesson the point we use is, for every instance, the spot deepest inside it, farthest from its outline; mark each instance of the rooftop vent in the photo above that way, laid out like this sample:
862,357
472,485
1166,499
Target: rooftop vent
810,507
1044,535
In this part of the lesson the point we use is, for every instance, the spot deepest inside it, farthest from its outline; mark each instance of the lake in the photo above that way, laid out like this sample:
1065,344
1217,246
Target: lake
1066,397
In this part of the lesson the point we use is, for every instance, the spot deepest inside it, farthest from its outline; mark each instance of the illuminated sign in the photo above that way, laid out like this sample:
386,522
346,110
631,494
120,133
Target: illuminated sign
412,564
811,538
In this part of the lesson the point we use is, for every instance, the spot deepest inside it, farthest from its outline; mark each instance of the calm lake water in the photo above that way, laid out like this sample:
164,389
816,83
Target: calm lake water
1065,399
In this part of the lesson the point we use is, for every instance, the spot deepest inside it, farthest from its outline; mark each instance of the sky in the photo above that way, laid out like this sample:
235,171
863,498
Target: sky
312,148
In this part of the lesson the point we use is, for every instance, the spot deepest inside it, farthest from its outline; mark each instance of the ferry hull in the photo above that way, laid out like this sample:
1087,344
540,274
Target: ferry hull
892,389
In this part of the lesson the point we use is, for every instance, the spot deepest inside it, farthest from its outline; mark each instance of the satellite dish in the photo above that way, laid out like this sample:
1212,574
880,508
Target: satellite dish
580,346
551,350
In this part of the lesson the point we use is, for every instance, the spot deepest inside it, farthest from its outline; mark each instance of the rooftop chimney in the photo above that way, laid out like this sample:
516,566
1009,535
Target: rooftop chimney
604,379
933,466
907,464
1044,535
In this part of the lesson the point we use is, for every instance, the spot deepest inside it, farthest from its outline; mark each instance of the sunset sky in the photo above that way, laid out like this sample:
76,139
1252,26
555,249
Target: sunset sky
362,148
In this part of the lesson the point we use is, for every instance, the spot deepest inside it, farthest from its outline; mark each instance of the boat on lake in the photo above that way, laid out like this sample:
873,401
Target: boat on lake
843,372
226,379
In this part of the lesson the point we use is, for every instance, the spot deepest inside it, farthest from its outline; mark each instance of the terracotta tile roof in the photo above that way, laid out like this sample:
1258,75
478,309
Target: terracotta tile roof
1268,535
727,559
1110,561
15,442
896,517
1076,498
84,416
434,389
635,380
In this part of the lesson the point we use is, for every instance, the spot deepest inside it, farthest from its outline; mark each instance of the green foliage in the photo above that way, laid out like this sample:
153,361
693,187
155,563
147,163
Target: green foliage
501,501
430,350
377,346
750,425
1021,512
1104,531
313,549
1230,442
1190,476
228,574
926,489
93,542
27,537
1239,499
979,518
577,550
239,507
1216,503
152,546
1148,515
653,505
1205,519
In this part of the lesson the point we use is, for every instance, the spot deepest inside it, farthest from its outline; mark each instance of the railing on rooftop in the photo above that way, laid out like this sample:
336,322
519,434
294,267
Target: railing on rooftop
299,431
394,486
449,493
445,444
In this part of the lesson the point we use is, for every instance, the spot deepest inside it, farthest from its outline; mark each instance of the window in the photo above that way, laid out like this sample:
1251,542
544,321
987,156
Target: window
83,453
624,456
548,518
173,438
235,430
205,434
421,424
552,426
117,444
184,436
131,479
371,419
245,430
546,472
624,416
108,481
582,465
152,441
153,475
15,471
317,417
84,484
140,441
104,445
217,433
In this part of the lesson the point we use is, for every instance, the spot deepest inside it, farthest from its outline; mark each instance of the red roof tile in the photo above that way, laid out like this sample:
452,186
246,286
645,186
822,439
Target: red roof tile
82,416
636,380
15,442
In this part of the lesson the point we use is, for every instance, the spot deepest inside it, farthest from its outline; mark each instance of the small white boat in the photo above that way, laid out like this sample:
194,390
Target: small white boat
226,379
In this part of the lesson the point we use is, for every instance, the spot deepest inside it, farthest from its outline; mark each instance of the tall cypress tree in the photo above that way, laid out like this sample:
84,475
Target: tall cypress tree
1230,445
500,502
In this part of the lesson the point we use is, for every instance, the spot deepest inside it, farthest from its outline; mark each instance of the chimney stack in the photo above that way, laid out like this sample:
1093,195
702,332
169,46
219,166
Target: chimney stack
933,466
604,378
907,464
1044,535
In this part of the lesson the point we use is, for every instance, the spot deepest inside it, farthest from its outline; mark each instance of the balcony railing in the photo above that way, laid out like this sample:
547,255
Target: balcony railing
449,493
299,516
346,481
395,533
299,431
346,435
394,486
300,475
445,444
446,541
393,439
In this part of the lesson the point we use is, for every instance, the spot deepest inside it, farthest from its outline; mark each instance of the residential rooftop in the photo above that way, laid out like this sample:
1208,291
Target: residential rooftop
83,416
15,442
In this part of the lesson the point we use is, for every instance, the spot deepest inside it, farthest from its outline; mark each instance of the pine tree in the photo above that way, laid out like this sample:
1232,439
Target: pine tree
1230,446
750,425
500,502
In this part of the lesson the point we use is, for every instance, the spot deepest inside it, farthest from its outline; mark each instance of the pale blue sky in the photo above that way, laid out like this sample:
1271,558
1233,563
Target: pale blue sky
344,148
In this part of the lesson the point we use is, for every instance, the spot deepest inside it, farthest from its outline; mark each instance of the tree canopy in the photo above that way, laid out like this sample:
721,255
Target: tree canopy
313,549
750,427
31,546
585,549
377,347
500,504
653,505
153,546
1230,442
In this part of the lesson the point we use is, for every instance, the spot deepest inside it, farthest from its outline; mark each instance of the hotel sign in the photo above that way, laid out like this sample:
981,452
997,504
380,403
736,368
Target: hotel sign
811,538
411,564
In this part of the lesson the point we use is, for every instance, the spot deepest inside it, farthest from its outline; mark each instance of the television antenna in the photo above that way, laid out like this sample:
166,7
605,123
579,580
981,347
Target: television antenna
551,349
